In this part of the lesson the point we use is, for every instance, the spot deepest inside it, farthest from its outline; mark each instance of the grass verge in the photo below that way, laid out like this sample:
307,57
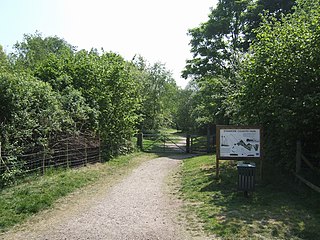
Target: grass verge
272,212
36,193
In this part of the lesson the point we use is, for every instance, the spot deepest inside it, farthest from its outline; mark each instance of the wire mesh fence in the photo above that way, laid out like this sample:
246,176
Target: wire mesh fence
66,153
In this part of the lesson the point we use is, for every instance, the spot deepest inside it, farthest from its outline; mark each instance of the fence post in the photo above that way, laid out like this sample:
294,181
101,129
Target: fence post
43,161
298,156
85,154
140,141
0,156
100,159
191,143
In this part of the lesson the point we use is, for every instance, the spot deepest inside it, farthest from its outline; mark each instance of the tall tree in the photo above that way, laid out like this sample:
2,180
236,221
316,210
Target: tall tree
218,44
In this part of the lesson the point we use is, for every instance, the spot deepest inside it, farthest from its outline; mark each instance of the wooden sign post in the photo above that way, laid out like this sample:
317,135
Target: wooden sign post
238,143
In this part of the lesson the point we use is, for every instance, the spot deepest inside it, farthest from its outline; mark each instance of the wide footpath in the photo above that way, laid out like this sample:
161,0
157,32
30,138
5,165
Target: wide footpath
140,206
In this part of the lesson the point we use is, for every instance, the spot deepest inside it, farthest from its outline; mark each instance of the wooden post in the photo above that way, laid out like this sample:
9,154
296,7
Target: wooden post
188,144
298,157
140,141
217,152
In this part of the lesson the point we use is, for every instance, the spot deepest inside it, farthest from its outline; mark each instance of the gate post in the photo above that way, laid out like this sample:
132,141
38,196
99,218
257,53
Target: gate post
188,144
140,141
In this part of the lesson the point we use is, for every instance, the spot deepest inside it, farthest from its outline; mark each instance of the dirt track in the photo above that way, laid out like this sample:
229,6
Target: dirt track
138,207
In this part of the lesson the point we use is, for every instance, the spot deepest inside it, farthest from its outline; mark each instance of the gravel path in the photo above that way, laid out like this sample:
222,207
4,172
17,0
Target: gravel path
138,207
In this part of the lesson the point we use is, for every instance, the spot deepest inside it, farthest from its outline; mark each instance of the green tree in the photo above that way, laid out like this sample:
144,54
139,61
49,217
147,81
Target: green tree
184,118
159,92
218,44
281,81
34,50
4,61
108,84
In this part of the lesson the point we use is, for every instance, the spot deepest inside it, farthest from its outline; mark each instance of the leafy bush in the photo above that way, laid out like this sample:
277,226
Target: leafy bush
30,112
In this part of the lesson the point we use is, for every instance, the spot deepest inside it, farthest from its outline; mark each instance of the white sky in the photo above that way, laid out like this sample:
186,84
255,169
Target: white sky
157,30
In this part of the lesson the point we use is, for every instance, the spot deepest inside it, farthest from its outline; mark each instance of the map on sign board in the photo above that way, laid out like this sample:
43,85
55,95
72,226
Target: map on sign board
240,143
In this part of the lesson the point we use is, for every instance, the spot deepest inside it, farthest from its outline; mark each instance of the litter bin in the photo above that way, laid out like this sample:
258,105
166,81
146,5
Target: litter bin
246,176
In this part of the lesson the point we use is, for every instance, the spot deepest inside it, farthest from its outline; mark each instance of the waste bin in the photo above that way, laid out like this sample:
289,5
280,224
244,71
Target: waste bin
246,176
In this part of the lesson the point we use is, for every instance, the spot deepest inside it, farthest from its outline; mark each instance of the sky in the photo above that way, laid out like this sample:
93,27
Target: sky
155,29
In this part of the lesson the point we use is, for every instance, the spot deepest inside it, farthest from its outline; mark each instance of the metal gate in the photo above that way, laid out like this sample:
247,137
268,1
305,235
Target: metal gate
162,143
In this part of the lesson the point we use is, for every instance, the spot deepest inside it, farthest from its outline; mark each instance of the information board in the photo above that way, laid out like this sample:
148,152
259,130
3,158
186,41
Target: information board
238,142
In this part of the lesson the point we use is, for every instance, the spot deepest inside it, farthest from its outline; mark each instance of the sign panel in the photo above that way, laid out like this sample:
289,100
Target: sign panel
239,142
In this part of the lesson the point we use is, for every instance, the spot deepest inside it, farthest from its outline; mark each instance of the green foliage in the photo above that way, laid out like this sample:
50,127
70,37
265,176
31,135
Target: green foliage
81,116
98,92
273,83
107,83
30,112
184,116
281,88
48,91
159,94
34,49
218,44
4,62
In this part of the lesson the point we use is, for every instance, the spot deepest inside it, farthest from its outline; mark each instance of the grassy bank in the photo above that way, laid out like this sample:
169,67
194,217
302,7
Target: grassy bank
37,193
272,212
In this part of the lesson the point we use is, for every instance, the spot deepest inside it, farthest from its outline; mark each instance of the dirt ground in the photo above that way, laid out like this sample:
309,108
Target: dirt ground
140,206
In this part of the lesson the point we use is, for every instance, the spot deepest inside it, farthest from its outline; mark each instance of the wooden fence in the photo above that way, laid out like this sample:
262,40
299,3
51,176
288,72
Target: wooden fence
301,158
